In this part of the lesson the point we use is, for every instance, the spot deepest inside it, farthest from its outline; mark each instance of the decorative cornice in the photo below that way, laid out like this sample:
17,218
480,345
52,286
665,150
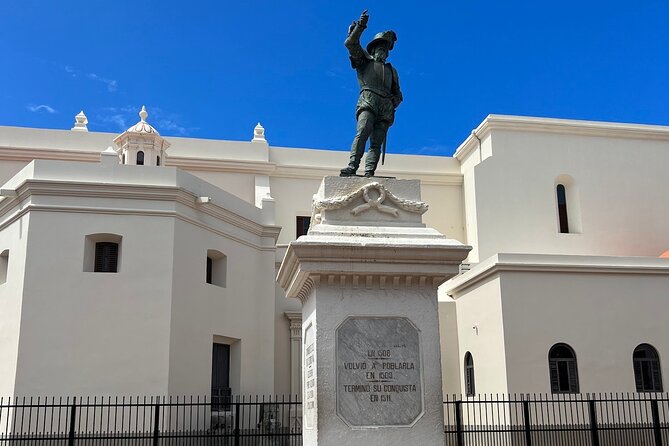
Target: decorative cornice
26,155
554,264
317,173
561,126
224,165
132,192
221,165
391,266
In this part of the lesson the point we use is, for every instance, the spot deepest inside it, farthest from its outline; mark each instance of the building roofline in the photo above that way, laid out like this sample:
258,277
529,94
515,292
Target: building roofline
554,263
563,126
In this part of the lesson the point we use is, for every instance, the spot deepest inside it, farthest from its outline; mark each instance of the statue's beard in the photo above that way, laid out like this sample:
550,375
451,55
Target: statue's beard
380,57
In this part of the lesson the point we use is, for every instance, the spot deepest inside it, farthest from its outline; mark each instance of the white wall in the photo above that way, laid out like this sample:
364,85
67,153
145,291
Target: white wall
603,317
13,236
243,310
94,333
481,332
621,183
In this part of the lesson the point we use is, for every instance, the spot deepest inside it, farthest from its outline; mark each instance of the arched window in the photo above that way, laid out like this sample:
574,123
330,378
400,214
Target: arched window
140,158
562,208
563,370
470,387
157,161
4,265
647,374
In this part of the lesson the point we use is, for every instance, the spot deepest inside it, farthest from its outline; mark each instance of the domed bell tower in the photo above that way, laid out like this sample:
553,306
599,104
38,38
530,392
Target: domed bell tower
141,144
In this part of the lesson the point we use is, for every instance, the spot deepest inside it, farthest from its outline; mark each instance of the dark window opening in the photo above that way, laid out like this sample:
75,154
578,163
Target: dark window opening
563,370
4,265
303,225
123,158
210,268
470,387
106,257
220,377
647,374
140,158
157,161
562,208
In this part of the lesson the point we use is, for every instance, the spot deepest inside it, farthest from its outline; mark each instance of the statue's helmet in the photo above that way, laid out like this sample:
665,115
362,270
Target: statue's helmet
387,37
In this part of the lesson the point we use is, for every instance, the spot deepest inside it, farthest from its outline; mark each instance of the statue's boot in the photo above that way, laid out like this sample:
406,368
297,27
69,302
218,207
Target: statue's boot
348,171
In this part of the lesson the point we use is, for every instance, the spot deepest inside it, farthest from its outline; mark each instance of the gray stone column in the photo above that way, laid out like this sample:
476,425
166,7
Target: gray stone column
295,352
367,275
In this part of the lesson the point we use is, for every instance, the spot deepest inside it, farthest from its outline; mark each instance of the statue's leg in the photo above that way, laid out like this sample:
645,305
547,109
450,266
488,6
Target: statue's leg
374,154
363,131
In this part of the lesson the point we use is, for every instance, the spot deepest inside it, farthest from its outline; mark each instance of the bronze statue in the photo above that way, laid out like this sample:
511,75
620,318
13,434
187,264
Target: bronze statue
379,95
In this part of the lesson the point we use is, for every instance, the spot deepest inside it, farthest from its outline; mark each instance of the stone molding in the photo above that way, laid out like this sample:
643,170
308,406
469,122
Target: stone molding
23,154
395,266
554,264
32,187
562,126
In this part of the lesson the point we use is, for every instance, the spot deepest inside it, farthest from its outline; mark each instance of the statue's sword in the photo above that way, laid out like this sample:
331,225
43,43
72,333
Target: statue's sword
383,149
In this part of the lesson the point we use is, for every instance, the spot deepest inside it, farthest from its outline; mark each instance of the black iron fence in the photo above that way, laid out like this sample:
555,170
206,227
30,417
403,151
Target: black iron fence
610,419
151,421
509,420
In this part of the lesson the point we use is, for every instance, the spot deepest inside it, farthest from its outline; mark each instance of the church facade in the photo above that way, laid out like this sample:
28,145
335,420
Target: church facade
135,264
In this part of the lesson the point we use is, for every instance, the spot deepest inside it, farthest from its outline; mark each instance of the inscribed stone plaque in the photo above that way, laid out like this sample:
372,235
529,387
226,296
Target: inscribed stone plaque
309,380
379,381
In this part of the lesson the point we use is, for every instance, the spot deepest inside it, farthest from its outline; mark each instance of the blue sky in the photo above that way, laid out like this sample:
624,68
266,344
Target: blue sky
212,69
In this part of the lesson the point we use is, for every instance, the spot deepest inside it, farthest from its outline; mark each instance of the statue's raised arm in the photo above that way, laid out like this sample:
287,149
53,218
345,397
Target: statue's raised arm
352,42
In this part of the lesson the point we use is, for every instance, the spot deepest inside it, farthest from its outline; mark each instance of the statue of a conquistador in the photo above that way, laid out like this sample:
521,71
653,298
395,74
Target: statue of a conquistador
379,94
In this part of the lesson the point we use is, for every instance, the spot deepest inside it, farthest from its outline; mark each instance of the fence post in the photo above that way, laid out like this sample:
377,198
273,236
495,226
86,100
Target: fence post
237,416
528,427
73,420
656,423
156,424
593,423
458,423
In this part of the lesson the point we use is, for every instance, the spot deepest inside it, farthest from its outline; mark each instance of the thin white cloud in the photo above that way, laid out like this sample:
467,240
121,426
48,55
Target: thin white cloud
118,120
110,83
40,108
121,117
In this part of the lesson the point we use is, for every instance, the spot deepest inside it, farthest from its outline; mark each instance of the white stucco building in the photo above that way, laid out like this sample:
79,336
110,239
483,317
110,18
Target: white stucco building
149,267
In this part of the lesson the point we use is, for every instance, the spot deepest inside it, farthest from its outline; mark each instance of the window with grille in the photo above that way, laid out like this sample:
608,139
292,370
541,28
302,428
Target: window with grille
303,225
102,253
563,370
647,374
140,158
470,387
106,257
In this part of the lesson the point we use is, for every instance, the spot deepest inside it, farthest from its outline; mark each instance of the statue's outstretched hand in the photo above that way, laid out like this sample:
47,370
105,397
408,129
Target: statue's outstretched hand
364,18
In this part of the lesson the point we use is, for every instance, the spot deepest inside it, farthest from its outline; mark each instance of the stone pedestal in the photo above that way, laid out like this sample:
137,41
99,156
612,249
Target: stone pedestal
367,275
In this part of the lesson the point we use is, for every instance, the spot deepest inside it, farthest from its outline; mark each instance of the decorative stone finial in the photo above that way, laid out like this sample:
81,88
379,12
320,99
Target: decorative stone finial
259,134
143,114
80,122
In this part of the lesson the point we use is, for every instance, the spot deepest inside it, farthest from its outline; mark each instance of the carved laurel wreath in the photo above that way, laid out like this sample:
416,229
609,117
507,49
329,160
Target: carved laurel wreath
417,207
